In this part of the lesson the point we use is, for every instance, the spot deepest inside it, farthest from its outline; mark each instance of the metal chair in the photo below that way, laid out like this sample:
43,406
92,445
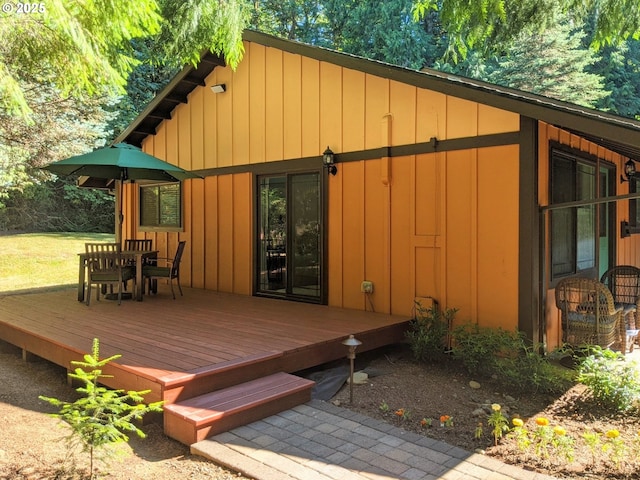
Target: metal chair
588,313
171,271
623,281
105,267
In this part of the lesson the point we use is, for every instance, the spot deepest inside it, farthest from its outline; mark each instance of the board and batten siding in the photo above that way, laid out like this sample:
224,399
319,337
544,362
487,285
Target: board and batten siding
441,224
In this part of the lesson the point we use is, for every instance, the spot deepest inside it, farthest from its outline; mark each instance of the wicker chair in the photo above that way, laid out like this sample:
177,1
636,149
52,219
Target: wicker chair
588,313
623,281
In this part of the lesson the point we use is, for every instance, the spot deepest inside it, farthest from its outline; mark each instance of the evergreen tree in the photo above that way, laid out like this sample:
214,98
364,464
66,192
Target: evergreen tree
78,48
382,31
378,30
301,20
60,127
148,77
490,25
620,66
64,68
192,26
552,64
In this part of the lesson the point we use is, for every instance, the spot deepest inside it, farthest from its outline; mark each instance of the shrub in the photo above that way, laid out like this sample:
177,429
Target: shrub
614,383
100,416
478,347
508,356
428,332
528,370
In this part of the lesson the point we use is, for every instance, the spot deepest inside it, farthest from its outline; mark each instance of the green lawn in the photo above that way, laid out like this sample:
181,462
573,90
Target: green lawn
33,260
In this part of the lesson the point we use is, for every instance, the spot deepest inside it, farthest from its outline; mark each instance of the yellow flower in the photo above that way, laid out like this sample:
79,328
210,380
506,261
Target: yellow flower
495,407
444,418
517,422
400,412
612,433
559,431
543,422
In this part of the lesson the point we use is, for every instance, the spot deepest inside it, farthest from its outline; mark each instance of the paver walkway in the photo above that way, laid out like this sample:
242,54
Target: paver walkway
319,441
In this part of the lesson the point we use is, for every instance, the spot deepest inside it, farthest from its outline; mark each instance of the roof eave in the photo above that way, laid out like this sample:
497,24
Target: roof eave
174,93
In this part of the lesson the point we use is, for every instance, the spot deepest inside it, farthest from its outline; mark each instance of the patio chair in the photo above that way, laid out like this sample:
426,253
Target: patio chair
623,281
105,267
589,315
136,244
133,244
170,271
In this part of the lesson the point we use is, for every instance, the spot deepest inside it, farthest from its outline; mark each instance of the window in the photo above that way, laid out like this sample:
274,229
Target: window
634,207
581,236
160,206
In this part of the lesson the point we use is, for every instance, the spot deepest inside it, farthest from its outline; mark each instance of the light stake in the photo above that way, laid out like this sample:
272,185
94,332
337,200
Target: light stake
352,343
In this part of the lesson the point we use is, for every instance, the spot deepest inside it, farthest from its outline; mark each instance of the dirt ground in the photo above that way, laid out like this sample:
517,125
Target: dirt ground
32,445
426,392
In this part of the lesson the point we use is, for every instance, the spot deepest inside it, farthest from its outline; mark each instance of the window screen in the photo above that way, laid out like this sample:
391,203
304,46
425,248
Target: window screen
160,205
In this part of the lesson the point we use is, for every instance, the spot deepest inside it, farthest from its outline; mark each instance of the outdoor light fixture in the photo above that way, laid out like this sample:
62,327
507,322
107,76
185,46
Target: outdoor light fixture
352,343
328,159
219,88
629,171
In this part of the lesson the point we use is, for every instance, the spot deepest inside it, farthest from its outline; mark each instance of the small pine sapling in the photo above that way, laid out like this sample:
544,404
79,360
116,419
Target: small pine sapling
101,416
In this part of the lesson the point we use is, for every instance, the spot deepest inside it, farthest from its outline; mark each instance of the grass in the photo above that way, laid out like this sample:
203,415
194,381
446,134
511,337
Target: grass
34,260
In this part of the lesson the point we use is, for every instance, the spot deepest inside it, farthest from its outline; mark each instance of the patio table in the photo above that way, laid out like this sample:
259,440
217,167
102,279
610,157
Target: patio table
136,255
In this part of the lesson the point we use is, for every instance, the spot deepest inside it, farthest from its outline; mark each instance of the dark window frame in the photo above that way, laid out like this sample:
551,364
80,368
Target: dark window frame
276,171
578,157
634,207
158,224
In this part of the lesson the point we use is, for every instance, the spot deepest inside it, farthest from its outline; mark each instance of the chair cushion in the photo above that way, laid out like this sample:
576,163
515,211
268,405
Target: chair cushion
110,276
589,318
626,307
153,271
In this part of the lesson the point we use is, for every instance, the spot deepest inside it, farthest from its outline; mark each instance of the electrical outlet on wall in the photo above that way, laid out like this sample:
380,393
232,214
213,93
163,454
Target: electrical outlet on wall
366,287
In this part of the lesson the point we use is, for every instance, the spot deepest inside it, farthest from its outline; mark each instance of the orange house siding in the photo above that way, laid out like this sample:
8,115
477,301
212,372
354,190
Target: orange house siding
441,224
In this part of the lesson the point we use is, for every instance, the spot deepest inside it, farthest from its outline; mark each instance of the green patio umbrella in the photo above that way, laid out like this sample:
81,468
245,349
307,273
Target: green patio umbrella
120,162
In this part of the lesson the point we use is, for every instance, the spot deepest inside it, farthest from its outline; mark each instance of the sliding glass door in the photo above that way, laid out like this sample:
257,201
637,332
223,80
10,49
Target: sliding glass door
290,236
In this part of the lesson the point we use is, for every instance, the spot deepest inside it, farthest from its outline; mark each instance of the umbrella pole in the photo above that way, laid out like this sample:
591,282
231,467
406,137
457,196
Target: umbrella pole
118,214
119,219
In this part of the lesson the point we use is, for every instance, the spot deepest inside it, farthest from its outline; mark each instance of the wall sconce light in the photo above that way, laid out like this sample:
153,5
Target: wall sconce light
629,171
328,159
352,343
219,88
625,229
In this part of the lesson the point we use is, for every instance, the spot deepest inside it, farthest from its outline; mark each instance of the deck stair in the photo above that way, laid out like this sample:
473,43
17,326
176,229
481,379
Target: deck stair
178,386
194,419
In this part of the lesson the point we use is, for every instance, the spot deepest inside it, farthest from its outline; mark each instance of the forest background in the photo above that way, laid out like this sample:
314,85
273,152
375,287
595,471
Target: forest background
74,74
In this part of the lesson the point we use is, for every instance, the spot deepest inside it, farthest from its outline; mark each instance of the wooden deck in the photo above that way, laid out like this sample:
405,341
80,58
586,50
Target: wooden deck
195,344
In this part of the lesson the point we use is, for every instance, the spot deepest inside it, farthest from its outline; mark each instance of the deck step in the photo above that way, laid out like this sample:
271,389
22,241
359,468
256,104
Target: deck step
197,418
179,386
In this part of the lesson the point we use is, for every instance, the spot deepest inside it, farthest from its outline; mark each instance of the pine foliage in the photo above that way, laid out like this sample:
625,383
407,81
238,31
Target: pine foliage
100,416
553,64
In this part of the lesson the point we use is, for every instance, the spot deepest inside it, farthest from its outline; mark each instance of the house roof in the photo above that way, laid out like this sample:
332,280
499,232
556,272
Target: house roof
619,134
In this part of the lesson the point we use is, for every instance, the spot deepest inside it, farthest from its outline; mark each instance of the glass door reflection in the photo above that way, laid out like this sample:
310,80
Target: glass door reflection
289,257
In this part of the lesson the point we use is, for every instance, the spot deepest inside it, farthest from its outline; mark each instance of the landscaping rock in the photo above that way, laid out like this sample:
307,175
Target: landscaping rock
359,378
